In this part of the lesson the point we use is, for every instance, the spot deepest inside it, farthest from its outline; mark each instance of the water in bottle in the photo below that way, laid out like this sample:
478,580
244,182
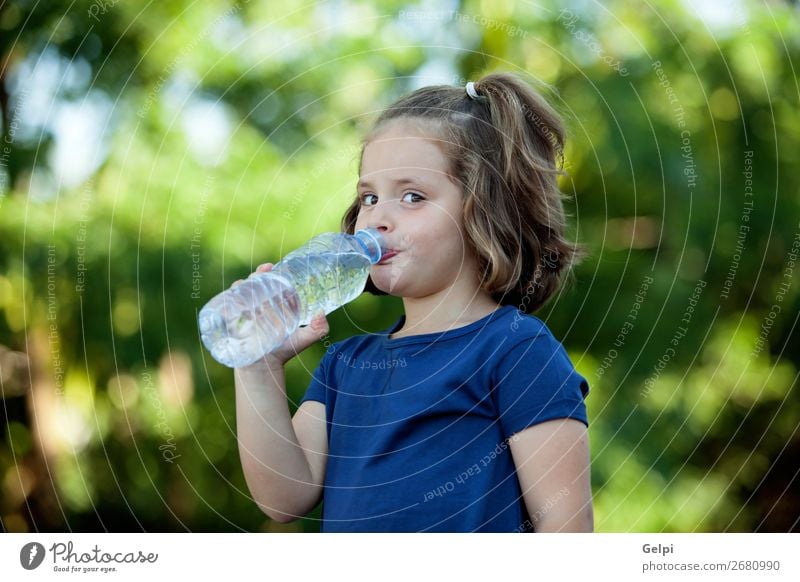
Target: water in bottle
247,321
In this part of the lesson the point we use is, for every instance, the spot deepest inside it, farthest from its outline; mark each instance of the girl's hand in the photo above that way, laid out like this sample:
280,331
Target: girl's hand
298,341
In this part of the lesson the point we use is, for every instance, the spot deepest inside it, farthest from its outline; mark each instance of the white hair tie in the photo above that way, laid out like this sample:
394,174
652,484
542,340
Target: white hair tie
473,94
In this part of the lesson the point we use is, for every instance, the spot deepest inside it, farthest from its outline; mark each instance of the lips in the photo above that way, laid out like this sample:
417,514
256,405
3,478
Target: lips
389,254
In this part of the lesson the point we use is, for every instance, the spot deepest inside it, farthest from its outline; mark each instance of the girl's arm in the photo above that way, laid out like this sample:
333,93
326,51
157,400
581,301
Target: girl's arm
552,461
283,458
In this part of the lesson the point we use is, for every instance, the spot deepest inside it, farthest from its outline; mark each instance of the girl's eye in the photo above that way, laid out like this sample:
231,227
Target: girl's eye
366,198
419,196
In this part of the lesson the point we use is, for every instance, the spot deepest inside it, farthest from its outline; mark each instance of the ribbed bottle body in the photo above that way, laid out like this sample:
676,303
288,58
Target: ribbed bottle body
251,319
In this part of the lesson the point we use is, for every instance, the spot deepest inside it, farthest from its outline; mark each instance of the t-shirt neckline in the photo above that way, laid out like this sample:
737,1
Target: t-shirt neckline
439,335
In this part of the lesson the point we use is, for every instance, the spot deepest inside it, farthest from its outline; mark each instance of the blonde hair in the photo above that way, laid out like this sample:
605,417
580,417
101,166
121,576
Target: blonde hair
506,152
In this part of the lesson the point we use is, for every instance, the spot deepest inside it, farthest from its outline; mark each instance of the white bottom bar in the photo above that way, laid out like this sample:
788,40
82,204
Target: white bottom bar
389,557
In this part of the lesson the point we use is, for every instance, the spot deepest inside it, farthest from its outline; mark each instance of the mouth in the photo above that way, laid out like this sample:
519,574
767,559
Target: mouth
387,256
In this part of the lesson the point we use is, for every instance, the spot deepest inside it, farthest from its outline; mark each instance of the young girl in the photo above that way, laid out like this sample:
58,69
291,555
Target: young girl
466,414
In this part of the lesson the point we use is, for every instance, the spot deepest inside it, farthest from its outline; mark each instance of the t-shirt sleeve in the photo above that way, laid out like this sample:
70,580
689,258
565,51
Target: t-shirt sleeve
320,382
535,381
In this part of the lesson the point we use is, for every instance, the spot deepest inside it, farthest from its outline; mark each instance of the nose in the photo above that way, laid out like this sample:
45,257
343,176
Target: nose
382,217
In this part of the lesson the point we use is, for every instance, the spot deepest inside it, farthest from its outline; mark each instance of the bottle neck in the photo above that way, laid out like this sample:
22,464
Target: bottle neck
373,243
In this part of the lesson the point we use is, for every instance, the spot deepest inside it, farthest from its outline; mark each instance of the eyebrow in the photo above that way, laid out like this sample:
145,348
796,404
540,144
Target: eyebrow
399,182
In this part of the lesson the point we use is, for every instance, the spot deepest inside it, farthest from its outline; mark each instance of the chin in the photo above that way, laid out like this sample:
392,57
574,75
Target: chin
386,283
386,286
392,277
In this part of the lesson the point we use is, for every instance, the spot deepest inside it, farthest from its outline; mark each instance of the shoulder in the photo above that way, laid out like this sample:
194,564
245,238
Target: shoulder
331,369
530,347
534,379
519,328
350,348
519,338
510,331
526,323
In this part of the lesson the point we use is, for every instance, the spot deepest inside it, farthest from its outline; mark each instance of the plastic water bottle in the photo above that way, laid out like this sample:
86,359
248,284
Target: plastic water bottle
246,322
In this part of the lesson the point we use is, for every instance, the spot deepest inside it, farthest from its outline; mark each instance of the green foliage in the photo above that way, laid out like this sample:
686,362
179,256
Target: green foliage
101,280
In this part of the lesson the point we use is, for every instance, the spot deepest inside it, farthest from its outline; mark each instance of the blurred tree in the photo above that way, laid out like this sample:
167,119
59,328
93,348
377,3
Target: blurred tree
155,153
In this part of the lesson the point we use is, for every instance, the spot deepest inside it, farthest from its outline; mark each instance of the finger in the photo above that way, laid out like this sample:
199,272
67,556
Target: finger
309,335
319,323
263,268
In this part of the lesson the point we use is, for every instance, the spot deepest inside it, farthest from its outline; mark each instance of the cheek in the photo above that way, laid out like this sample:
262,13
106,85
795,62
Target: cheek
447,239
360,222
436,257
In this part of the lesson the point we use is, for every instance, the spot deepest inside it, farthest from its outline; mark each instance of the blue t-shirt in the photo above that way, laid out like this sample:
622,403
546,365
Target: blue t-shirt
418,426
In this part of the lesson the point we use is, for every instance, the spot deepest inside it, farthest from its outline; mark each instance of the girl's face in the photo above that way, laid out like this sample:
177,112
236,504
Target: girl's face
406,193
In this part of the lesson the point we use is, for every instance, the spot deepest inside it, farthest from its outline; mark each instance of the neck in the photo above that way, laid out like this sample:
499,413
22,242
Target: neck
447,309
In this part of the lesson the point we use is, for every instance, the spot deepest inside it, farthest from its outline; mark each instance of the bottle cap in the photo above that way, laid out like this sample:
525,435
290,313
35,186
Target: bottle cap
373,242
